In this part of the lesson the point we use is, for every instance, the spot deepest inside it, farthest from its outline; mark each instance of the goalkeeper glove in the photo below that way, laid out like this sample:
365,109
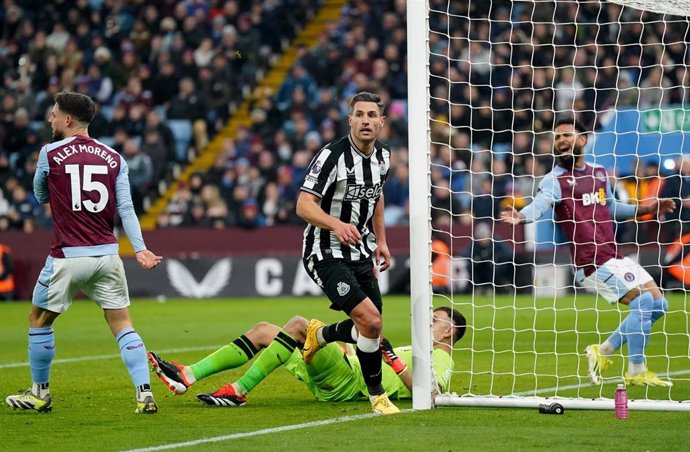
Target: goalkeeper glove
391,358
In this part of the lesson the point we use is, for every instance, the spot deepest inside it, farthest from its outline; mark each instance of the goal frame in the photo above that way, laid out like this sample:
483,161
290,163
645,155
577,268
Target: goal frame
420,203
421,302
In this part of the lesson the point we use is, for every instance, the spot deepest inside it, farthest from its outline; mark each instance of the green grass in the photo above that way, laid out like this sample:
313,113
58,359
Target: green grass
94,401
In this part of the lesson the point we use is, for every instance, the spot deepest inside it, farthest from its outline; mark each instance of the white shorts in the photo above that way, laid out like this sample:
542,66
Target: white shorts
614,279
102,278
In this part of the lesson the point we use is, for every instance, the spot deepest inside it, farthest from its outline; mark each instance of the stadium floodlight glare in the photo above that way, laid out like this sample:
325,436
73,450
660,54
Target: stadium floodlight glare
485,85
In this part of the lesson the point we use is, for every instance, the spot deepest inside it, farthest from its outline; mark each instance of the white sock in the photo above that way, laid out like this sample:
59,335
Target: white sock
635,368
238,389
354,333
367,344
319,337
188,374
606,348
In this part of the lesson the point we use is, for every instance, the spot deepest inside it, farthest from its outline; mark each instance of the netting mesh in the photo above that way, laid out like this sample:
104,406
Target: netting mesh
499,75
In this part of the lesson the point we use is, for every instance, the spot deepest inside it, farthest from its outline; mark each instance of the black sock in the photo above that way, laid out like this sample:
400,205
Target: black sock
371,371
341,331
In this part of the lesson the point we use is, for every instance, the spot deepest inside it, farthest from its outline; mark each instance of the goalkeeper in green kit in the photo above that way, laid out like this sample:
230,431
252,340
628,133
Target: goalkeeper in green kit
332,376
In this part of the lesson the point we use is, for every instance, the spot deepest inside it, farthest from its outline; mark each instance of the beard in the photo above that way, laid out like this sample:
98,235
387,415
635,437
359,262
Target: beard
58,135
568,160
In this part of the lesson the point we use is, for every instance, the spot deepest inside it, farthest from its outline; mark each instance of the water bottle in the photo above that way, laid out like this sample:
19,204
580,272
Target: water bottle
621,400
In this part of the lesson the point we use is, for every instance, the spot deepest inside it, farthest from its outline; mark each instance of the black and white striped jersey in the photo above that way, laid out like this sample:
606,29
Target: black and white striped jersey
349,184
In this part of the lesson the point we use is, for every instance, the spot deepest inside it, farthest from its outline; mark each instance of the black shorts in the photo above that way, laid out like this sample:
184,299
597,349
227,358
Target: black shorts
345,283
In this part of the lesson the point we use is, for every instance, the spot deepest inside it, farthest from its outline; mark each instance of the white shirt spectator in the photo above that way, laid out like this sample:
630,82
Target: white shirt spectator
568,90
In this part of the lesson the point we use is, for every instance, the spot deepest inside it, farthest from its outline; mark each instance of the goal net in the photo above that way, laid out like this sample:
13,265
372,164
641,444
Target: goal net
486,82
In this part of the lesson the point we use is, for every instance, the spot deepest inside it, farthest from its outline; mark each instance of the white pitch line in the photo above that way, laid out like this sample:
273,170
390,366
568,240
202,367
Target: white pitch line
588,385
266,431
100,357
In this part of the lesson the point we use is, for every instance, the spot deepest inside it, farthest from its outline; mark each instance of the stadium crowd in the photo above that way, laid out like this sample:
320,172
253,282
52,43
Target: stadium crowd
499,73
165,74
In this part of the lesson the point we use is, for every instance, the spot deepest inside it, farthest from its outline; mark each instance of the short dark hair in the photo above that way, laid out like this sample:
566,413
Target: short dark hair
77,105
570,120
457,320
365,96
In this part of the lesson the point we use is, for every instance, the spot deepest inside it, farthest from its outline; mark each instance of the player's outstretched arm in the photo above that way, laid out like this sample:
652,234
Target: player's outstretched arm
548,194
147,260
657,207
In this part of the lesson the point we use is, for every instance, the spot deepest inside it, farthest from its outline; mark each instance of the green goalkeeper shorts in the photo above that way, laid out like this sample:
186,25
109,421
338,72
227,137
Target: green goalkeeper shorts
330,377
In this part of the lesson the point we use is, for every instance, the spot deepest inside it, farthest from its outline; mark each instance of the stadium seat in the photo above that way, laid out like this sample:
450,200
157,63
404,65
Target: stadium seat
182,130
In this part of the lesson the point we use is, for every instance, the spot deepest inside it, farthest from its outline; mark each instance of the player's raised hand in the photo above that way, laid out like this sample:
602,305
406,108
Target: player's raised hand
665,205
511,216
347,233
147,260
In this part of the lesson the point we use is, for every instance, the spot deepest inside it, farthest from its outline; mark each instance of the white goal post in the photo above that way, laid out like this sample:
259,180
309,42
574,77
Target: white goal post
485,81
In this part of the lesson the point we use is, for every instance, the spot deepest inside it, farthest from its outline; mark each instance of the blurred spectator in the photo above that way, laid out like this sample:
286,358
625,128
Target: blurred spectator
140,172
249,216
100,125
489,257
441,281
510,75
484,204
46,101
397,193
654,89
130,57
216,208
649,185
444,207
568,90
298,78
189,105
154,122
527,181
103,58
677,187
176,210
21,213
160,155
6,273
25,173
219,94
16,138
5,174
133,94
164,83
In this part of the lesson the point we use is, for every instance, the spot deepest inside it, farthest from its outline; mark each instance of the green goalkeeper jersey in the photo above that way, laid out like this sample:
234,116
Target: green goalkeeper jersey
395,388
335,376
443,365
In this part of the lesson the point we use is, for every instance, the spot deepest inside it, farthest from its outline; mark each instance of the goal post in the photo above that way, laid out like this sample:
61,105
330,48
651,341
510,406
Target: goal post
420,226
485,82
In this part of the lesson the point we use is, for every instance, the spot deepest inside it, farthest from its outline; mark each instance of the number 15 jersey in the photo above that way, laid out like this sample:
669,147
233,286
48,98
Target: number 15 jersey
86,184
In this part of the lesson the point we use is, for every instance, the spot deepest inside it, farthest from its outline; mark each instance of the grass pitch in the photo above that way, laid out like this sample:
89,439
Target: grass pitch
94,401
